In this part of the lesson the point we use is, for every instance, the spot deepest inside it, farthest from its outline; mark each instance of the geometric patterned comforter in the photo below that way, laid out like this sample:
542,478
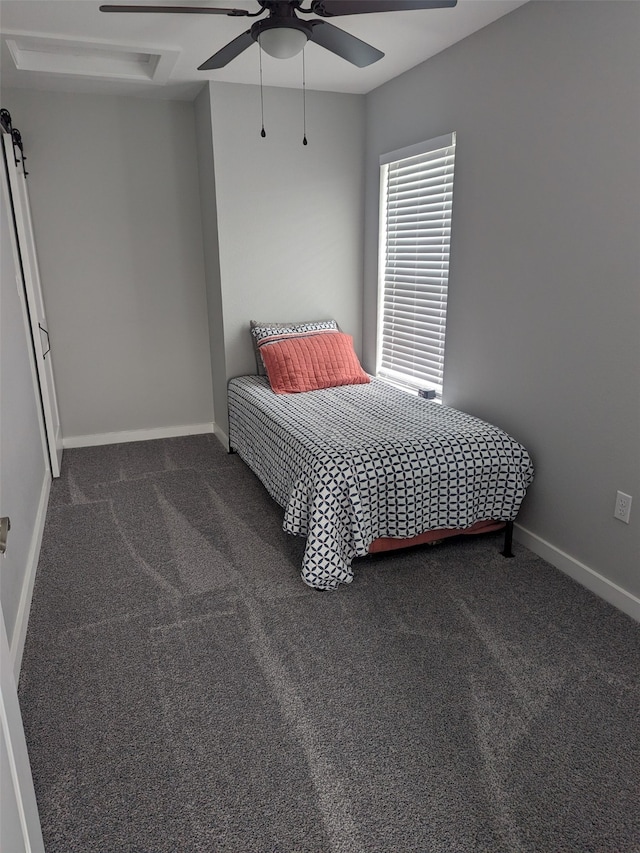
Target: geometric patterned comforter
357,462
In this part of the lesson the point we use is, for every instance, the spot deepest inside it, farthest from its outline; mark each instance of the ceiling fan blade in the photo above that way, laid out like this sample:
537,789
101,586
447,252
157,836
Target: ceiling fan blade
329,8
228,52
180,10
343,44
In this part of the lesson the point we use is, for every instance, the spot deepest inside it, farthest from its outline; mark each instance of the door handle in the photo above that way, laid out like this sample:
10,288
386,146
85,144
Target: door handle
5,527
42,329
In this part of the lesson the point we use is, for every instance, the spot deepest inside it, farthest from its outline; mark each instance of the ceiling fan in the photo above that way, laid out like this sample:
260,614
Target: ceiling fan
283,34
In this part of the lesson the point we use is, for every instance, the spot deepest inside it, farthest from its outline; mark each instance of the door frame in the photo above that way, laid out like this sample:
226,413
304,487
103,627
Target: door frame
19,814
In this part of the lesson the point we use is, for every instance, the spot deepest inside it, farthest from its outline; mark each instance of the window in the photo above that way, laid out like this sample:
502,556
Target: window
416,197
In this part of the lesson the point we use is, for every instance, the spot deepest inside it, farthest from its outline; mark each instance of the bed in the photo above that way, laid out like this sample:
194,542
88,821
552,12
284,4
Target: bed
363,466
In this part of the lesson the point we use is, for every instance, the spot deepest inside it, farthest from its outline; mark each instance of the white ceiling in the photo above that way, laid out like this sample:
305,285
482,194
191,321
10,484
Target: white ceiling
70,45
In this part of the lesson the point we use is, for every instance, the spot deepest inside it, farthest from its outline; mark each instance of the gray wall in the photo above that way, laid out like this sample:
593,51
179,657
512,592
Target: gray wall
160,197
116,212
544,314
290,216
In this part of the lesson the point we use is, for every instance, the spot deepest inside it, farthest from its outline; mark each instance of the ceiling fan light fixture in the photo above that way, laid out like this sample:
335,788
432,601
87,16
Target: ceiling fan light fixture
282,41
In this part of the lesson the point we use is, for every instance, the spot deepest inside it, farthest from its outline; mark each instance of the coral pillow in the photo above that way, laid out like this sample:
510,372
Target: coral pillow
264,333
310,363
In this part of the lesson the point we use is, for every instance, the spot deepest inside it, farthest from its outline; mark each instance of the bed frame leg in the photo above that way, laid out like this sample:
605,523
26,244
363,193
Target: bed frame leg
508,540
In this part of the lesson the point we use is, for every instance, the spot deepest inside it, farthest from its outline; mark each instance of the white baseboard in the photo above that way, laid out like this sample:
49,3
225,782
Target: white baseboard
592,580
22,616
97,439
222,437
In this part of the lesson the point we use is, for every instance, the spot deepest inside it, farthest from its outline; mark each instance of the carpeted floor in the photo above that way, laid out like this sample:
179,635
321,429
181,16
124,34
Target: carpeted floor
183,690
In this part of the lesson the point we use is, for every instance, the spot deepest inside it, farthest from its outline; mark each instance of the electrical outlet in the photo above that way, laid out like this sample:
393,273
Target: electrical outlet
623,507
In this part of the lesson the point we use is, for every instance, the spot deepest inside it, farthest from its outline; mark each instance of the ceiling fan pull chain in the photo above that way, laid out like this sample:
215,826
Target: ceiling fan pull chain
304,101
263,132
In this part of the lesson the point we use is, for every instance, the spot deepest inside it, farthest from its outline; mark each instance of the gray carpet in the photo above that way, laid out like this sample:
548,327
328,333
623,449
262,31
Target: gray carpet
183,690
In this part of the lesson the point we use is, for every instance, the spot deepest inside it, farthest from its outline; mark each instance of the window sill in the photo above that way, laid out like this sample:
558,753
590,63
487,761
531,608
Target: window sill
414,392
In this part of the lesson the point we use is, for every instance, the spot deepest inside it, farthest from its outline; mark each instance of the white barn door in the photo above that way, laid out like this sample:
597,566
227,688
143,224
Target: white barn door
35,302
23,460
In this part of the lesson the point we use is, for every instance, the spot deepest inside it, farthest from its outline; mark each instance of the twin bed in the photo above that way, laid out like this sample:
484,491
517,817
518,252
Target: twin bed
362,466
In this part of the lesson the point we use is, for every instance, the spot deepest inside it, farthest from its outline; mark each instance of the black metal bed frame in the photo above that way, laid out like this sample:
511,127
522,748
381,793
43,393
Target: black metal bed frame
508,540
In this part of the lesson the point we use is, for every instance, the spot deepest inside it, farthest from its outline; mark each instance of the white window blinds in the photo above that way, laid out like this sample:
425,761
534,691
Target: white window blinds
415,233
